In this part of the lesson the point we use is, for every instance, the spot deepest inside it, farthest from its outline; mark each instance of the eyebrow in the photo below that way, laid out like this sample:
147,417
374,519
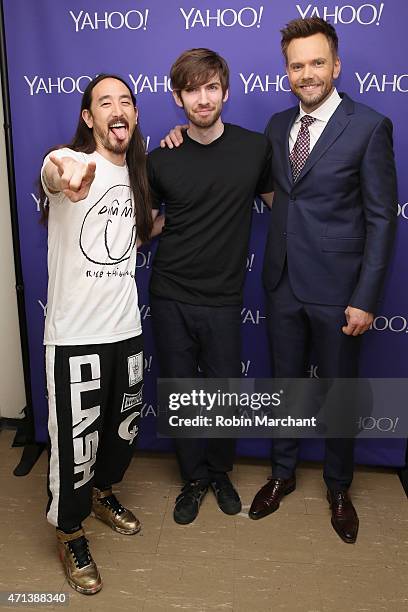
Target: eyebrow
194,85
315,59
109,97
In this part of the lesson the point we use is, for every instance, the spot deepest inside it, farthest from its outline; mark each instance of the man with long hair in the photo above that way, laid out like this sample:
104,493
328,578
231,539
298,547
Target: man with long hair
98,206
208,186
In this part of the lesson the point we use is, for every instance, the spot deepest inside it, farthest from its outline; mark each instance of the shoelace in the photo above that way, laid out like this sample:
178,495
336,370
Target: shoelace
193,490
112,502
221,484
80,551
341,501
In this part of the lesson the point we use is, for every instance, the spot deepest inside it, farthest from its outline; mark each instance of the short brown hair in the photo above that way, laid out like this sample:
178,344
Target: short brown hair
196,67
303,28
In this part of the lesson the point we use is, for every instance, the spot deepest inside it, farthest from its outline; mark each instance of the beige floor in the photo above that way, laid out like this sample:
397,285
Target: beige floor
290,561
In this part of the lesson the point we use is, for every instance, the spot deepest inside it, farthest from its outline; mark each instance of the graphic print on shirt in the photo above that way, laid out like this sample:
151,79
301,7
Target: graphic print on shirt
135,368
85,446
116,237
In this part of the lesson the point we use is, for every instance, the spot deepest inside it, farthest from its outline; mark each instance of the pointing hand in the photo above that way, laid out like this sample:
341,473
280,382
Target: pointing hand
76,177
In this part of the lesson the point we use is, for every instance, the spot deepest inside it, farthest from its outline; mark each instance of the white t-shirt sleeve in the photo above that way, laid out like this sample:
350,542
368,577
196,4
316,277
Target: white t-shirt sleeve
59,153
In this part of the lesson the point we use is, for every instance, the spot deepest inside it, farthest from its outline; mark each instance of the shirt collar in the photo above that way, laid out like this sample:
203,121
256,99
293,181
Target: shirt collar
325,111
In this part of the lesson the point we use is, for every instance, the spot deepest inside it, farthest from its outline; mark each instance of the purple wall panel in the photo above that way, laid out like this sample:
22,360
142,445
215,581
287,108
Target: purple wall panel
55,47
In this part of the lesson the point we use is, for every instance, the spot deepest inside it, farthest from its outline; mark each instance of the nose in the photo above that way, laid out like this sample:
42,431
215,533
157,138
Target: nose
203,97
307,71
116,108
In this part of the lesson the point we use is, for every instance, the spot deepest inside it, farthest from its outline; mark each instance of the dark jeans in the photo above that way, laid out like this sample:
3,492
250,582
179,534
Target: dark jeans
188,336
293,328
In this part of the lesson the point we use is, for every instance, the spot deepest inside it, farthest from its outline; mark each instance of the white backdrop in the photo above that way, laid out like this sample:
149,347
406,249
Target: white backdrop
12,395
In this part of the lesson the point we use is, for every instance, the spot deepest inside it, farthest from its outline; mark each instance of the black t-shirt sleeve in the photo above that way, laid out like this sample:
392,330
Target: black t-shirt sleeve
265,181
157,198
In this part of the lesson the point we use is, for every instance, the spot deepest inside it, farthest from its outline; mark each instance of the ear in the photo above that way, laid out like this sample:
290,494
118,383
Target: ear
336,68
87,117
178,99
137,114
225,98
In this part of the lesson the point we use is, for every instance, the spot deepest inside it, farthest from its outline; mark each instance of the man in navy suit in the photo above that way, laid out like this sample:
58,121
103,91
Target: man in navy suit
331,232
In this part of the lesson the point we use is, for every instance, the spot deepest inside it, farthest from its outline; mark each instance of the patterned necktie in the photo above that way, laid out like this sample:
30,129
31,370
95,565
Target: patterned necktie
301,150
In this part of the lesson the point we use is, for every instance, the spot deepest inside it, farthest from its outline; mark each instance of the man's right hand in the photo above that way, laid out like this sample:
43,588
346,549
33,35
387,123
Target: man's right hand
174,138
75,177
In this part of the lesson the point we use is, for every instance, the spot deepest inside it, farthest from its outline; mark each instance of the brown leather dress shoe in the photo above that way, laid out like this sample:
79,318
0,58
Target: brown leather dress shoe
344,516
268,498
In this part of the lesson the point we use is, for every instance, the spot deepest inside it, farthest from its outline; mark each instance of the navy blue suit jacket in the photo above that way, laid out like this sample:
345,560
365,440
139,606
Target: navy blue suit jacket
336,223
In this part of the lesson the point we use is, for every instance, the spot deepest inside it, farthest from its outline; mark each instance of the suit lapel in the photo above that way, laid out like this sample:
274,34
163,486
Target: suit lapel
286,134
335,126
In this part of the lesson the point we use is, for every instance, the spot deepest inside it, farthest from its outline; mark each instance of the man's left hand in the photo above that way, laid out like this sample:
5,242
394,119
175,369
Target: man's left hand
358,321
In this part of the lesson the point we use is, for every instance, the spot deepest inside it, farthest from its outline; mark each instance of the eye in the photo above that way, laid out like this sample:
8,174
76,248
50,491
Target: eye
319,62
105,104
213,87
296,67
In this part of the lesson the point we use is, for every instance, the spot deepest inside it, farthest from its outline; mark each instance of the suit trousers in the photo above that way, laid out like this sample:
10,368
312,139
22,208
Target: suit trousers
294,328
188,336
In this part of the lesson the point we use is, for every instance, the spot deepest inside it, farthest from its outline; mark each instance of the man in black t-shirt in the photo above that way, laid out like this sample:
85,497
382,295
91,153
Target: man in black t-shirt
208,186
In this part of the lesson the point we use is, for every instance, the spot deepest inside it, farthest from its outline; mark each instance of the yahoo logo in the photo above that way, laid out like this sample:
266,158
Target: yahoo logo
264,83
247,17
59,85
147,410
150,83
143,259
144,312
403,210
365,14
383,82
395,324
132,20
249,316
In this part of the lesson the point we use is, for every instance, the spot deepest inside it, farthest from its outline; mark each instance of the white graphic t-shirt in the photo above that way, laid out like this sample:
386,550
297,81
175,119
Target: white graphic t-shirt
92,295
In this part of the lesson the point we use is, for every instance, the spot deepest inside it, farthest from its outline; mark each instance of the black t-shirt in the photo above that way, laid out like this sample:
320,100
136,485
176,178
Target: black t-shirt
208,191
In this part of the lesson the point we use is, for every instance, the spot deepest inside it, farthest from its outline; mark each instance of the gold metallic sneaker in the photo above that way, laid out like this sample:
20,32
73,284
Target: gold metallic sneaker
80,569
108,509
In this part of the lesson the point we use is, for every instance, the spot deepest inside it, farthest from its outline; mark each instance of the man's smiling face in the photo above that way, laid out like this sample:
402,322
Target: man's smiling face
202,103
311,68
112,116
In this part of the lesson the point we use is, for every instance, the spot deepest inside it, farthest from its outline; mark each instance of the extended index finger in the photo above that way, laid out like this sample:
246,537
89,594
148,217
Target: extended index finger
90,171
57,162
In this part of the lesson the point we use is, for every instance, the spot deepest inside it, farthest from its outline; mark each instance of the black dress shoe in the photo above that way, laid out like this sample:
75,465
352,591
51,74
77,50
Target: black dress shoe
344,516
227,498
268,498
189,501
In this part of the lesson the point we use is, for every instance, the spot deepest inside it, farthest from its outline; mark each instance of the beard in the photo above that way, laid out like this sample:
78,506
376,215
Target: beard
314,100
204,122
110,143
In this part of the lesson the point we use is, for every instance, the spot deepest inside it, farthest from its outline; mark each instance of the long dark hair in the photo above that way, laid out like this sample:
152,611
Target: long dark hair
84,142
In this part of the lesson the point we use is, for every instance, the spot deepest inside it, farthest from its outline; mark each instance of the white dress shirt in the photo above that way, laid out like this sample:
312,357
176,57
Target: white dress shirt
322,116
